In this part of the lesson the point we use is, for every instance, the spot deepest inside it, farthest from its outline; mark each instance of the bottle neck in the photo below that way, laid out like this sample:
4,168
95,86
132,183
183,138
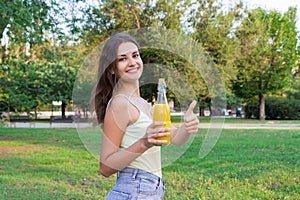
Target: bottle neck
161,92
161,97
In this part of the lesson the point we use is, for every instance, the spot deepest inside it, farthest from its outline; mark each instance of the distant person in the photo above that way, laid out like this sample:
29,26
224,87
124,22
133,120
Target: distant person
129,145
76,114
171,105
238,112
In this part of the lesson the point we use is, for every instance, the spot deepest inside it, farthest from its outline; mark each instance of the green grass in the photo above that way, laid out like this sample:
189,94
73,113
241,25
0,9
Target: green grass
234,120
244,164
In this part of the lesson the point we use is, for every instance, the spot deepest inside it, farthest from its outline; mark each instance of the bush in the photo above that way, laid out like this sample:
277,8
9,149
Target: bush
252,110
276,108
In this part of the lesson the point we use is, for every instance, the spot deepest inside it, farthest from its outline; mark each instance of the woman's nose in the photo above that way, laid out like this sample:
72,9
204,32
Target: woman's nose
131,61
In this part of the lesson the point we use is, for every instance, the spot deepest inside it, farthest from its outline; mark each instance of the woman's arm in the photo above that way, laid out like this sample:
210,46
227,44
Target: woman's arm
182,134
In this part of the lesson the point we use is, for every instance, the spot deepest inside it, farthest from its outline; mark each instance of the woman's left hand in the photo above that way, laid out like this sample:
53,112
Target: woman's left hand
191,121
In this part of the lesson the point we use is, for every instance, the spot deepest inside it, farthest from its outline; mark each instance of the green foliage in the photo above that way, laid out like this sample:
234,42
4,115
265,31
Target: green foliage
233,100
294,91
109,16
212,28
35,68
3,121
24,20
21,86
266,57
283,108
252,109
28,85
276,108
176,70
249,47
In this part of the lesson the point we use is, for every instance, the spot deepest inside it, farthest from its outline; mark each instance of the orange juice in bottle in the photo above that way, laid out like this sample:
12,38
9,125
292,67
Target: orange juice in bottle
161,112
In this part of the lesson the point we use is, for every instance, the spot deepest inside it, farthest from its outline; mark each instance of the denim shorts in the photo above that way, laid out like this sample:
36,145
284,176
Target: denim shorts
137,184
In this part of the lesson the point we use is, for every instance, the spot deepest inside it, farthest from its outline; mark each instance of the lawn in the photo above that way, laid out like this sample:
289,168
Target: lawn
244,164
234,120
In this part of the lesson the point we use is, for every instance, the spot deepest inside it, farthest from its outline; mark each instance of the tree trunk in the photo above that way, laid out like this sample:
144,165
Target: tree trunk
262,113
63,109
2,54
201,109
8,113
35,113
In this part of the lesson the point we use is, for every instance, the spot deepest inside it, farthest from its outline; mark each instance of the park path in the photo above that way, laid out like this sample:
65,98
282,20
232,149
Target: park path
207,125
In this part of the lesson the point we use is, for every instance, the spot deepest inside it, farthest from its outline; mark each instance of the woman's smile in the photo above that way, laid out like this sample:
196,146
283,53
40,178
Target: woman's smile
133,70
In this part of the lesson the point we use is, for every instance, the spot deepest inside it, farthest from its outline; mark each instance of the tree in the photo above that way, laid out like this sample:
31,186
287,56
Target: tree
212,27
120,15
25,22
267,43
59,81
99,21
22,89
36,50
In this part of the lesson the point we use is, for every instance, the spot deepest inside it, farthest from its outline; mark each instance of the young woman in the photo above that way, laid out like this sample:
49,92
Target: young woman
129,145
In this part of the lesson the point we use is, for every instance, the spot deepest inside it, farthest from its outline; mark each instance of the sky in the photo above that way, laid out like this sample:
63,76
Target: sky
280,5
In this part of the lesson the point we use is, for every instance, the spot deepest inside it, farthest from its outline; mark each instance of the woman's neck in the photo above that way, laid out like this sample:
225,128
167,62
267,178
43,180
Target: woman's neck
128,89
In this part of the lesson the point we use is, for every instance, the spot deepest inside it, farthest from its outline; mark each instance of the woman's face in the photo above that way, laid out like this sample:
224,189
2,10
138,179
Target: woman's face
129,62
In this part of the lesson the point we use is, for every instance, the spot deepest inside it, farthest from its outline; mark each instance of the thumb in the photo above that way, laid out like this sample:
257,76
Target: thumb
191,107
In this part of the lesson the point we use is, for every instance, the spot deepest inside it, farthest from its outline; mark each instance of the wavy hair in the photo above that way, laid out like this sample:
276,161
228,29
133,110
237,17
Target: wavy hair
107,80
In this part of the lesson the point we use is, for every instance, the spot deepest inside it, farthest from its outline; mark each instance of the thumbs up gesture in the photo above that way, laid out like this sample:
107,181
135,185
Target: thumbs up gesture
191,121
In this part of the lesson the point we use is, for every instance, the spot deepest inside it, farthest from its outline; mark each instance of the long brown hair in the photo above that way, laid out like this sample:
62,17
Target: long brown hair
107,80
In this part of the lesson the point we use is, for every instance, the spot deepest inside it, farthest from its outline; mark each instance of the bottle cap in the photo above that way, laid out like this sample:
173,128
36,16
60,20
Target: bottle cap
161,85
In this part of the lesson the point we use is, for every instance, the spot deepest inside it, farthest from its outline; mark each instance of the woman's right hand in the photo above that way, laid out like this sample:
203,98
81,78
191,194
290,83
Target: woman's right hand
154,131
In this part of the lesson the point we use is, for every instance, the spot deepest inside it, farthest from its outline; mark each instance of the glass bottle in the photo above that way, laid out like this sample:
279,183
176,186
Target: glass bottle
161,111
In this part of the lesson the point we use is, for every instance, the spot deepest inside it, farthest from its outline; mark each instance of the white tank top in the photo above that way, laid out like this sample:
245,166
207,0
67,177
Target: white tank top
150,160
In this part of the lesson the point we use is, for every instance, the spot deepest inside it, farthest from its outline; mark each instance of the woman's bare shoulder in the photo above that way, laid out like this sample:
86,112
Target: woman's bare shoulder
118,103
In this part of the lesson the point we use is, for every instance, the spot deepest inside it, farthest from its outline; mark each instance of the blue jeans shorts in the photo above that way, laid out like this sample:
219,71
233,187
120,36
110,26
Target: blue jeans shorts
137,184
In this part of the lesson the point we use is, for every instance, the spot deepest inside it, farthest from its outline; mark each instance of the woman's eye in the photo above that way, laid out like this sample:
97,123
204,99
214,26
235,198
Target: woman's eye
121,59
136,55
